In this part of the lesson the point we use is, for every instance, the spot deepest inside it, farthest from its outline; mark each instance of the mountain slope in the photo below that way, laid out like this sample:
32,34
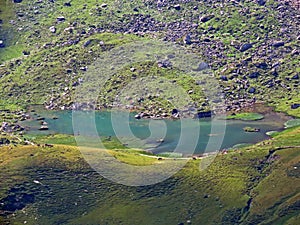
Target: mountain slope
252,48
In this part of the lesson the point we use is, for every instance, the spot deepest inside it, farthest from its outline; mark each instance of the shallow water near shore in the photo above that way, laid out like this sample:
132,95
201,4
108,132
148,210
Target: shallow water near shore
157,135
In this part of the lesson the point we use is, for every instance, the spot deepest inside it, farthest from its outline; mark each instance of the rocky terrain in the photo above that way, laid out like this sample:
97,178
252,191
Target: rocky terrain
251,46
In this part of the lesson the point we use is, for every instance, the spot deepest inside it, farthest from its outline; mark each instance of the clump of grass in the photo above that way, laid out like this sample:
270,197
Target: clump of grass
292,123
246,116
272,133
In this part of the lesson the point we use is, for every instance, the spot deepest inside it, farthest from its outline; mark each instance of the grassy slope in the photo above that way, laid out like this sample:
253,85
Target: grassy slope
217,195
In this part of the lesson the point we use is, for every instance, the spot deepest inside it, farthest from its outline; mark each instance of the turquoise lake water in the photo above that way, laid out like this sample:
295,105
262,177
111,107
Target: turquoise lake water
177,135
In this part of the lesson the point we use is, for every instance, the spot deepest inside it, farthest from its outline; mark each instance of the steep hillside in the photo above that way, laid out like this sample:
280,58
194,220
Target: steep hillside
252,46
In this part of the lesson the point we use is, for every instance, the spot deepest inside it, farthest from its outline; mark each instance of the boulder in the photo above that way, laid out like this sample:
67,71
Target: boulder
261,2
4,141
25,52
43,127
87,43
204,114
164,64
68,4
252,90
60,19
295,106
206,18
295,77
251,129
17,1
277,44
262,65
224,78
202,66
137,116
187,39
254,75
174,111
2,45
52,29
177,7
245,47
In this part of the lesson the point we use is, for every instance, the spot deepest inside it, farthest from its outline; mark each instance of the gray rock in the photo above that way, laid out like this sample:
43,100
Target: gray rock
187,39
224,78
245,47
295,106
60,19
252,90
52,29
164,64
262,65
254,75
26,52
177,7
2,45
137,116
206,18
202,66
87,43
261,2
278,44
68,4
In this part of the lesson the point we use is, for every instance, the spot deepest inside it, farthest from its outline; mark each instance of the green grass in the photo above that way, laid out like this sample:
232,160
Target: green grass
10,52
246,116
292,123
133,157
212,196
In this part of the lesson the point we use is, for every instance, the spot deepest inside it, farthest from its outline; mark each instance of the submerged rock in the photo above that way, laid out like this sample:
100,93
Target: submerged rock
251,129
43,127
